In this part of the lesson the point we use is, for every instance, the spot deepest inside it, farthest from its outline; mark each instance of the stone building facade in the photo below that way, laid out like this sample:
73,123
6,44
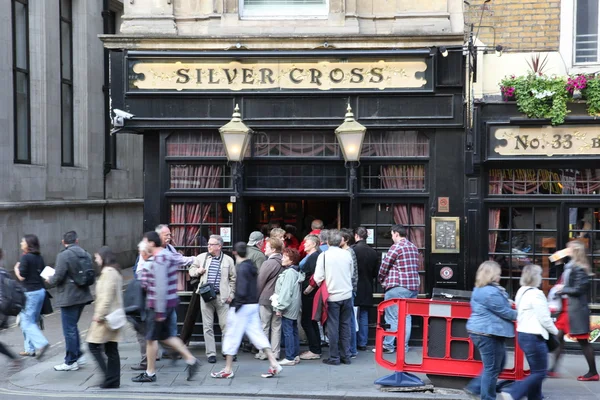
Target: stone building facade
59,172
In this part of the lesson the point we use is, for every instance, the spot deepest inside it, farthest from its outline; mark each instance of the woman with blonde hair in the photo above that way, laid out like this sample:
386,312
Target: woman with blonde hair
574,318
490,323
534,325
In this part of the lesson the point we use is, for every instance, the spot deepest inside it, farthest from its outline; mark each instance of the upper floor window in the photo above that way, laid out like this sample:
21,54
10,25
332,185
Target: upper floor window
586,31
284,8
20,45
66,74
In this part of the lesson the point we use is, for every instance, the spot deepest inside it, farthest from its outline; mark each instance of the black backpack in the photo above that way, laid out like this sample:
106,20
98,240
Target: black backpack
83,273
13,299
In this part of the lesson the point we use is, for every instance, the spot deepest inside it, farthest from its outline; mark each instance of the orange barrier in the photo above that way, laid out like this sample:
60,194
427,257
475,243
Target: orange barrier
442,355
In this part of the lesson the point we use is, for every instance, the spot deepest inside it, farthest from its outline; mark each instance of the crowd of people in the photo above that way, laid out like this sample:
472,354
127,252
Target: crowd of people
270,286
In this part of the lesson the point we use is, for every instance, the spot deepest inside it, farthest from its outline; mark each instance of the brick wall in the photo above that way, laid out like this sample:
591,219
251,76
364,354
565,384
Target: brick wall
517,25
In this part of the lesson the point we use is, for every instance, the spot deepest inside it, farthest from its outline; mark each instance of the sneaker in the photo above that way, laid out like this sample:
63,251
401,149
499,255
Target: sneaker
385,350
222,374
309,355
329,361
273,371
346,361
82,360
67,367
287,363
297,359
353,355
192,370
139,367
143,378
40,352
212,359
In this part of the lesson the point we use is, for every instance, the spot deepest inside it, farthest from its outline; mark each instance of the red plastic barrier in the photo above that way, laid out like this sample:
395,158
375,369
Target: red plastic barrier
445,365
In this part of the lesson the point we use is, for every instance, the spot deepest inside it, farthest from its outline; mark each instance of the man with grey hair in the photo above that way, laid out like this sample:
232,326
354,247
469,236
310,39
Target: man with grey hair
316,226
336,268
253,253
218,270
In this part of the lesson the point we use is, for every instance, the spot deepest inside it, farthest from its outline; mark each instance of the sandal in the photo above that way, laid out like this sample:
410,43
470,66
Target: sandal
27,354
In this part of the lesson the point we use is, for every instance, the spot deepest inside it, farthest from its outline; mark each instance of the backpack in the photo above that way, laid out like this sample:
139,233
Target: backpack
83,273
12,295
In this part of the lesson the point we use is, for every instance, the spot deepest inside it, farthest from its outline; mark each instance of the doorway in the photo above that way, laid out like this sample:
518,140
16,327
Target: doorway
264,215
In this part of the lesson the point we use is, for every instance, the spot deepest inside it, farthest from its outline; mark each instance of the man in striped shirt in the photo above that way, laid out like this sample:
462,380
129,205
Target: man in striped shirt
160,282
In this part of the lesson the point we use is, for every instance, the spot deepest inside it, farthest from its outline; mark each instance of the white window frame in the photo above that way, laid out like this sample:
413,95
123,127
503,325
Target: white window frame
291,12
567,40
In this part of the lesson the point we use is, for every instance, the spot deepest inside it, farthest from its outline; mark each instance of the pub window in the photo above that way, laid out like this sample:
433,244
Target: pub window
380,217
200,176
192,223
195,144
295,144
20,45
544,181
295,177
519,236
284,8
399,177
586,31
395,144
66,75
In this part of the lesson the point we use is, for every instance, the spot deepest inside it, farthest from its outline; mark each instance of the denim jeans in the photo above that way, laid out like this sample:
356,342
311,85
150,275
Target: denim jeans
362,336
290,338
391,316
70,317
34,338
536,351
493,354
339,314
173,323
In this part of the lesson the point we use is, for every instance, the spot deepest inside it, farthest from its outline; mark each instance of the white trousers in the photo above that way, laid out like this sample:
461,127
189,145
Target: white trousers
245,320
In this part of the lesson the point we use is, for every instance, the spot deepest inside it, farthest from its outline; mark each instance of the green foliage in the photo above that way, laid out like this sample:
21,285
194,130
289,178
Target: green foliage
592,96
542,97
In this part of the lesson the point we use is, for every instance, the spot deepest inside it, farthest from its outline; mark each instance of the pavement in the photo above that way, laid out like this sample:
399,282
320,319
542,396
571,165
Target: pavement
309,379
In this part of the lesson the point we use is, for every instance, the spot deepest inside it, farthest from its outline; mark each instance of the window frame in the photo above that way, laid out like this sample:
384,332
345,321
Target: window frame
295,12
568,13
68,82
18,70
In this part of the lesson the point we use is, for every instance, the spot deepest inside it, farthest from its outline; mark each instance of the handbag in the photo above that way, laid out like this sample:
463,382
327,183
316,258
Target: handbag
47,305
552,342
554,301
116,319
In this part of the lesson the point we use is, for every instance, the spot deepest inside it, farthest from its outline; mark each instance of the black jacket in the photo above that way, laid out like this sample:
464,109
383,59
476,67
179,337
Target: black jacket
578,311
309,269
368,265
67,292
246,291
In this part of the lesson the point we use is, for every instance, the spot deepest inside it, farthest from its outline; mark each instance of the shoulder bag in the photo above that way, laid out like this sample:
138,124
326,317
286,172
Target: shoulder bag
207,291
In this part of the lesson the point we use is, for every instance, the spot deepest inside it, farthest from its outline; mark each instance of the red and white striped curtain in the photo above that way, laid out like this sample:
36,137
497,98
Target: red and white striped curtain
413,215
196,176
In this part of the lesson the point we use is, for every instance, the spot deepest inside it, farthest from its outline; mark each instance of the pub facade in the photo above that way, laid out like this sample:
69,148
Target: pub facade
187,93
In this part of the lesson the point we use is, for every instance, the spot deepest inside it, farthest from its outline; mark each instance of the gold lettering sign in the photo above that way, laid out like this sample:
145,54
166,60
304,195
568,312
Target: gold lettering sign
279,74
548,140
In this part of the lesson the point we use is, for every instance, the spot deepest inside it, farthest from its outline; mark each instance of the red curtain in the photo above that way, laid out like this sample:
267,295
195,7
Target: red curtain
396,144
196,176
195,144
410,216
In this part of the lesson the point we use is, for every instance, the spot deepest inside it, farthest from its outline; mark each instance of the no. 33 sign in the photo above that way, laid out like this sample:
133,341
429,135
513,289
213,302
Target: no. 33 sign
547,140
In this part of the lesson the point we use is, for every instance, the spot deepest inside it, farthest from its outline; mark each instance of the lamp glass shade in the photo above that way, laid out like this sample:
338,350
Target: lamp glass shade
351,144
230,207
235,144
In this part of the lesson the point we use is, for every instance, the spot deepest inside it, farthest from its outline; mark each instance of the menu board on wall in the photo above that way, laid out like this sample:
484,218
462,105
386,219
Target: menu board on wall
445,235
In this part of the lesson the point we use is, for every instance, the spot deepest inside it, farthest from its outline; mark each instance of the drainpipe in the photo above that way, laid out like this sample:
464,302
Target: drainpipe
107,28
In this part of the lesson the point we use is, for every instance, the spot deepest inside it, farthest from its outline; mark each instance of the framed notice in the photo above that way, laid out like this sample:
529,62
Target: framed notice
445,234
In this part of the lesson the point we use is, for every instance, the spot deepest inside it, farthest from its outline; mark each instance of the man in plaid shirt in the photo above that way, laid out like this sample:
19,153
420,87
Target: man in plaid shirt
399,277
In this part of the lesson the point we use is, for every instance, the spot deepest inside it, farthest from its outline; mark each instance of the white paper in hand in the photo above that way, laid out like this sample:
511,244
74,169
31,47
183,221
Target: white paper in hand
47,272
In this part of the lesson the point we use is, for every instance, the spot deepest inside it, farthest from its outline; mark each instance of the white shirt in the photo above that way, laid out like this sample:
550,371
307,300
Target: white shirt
335,267
533,312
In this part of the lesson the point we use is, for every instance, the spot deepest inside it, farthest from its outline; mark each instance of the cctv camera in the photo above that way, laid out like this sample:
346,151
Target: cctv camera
123,114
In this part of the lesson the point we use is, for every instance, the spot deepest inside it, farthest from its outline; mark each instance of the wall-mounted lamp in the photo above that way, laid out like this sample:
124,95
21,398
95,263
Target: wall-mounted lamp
350,135
230,207
443,51
235,136
271,208
499,50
